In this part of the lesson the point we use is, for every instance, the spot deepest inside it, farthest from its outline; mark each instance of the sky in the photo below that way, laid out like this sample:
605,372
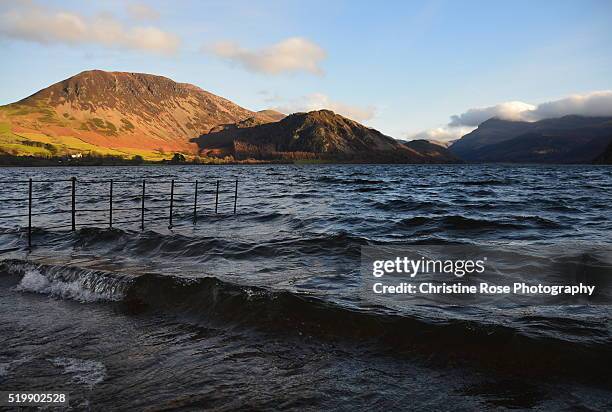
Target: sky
411,69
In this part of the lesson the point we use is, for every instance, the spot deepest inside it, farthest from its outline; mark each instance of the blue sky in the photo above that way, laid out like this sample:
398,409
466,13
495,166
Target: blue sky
401,67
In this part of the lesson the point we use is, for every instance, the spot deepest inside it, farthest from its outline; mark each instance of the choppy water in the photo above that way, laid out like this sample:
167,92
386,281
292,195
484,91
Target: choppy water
261,310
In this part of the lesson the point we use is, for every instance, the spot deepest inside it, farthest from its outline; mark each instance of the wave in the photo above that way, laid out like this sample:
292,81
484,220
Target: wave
367,189
487,182
201,248
65,282
209,301
354,181
267,217
455,222
398,205
458,222
538,221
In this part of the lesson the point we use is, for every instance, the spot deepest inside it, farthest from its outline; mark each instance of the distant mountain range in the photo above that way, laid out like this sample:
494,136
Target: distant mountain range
569,139
127,114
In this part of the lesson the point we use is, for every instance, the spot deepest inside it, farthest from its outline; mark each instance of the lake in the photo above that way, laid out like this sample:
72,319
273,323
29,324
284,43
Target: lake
263,309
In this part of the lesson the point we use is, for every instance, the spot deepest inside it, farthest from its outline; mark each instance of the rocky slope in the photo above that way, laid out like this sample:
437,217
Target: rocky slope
316,135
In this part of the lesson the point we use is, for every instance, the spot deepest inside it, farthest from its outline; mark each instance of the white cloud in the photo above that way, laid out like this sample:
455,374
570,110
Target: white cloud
507,111
443,134
597,103
142,11
318,101
31,22
294,54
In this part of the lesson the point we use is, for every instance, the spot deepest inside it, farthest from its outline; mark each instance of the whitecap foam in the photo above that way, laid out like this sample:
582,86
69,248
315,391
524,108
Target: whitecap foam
82,371
34,280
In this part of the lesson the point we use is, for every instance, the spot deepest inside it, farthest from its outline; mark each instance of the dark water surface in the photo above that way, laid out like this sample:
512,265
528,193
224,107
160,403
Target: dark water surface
262,309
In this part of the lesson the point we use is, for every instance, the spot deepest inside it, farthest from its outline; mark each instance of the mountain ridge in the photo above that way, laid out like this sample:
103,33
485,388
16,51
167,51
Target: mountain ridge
125,114
316,135
567,139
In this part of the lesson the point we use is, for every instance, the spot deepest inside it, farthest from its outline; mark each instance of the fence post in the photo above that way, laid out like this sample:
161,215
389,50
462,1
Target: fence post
171,202
195,203
110,206
73,203
217,197
142,214
30,215
235,196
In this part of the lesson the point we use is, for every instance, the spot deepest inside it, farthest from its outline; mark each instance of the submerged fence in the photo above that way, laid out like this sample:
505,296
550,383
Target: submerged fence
152,206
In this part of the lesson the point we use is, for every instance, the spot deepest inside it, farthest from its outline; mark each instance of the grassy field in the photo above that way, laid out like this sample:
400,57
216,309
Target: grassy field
39,144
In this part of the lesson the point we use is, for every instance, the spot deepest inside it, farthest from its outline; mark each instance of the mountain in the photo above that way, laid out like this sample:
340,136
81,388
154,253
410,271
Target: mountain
606,156
440,143
569,139
445,144
433,149
117,113
269,116
316,135
261,117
